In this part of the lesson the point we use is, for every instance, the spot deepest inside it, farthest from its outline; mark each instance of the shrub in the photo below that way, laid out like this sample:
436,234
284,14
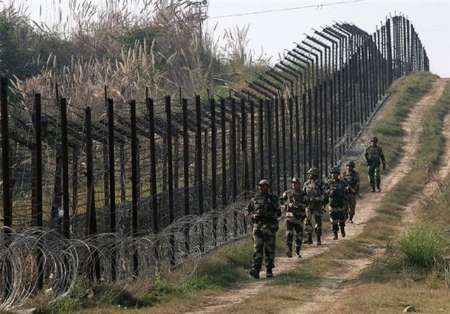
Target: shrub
423,245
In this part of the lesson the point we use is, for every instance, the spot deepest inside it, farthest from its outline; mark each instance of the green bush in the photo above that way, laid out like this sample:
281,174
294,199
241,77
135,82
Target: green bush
423,245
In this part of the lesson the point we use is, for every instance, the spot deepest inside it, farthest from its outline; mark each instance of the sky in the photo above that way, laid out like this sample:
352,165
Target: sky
274,32
271,33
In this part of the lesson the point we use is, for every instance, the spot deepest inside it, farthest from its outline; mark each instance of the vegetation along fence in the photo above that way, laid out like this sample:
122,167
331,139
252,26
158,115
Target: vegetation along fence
131,189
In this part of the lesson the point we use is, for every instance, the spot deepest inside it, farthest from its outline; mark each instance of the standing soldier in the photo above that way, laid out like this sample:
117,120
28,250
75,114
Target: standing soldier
294,204
315,202
374,157
264,211
336,194
351,178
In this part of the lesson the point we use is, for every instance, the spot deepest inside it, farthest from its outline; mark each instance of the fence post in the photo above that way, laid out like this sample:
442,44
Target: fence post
223,134
246,181
233,160
325,126
389,51
186,168
214,166
90,204
283,141
333,119
168,110
153,179
291,135
252,143
269,141
134,184
112,181
319,126
65,168
36,190
198,162
297,133
233,150
305,134
277,145
36,169
7,202
261,138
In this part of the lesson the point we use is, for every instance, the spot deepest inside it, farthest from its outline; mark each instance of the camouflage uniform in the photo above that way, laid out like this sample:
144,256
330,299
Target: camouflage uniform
315,202
351,178
294,202
336,192
264,210
374,157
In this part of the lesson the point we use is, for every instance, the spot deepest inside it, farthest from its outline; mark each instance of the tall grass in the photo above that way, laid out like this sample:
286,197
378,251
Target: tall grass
423,245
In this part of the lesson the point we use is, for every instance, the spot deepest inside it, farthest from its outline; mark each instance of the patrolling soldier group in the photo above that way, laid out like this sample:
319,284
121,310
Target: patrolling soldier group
304,206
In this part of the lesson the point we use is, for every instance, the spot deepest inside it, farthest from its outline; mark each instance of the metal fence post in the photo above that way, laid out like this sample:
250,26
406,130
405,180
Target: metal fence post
36,191
134,184
65,167
214,166
112,181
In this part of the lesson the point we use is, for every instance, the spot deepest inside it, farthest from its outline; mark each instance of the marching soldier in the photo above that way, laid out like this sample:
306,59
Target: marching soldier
264,211
374,157
315,202
294,204
336,194
351,178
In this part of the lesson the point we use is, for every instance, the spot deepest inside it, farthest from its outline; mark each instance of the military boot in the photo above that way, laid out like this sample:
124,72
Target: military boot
335,235
254,273
269,273
309,240
318,240
297,251
289,251
373,187
343,231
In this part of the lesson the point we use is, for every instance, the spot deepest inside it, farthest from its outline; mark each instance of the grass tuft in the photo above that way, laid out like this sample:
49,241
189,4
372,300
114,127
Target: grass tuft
423,245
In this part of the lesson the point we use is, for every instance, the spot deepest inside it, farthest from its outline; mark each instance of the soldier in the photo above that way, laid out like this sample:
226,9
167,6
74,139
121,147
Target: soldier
374,157
315,202
351,178
294,204
336,194
264,211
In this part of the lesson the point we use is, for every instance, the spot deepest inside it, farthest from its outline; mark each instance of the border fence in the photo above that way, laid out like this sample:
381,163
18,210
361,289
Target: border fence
120,190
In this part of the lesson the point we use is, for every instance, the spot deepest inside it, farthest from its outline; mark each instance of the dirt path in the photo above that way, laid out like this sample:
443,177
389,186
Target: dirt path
367,205
328,295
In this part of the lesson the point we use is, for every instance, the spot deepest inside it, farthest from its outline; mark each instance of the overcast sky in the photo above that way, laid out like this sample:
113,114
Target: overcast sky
274,32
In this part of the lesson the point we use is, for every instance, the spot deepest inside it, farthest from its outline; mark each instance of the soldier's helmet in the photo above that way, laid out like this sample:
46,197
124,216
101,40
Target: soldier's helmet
351,164
335,170
263,182
313,172
374,140
295,180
